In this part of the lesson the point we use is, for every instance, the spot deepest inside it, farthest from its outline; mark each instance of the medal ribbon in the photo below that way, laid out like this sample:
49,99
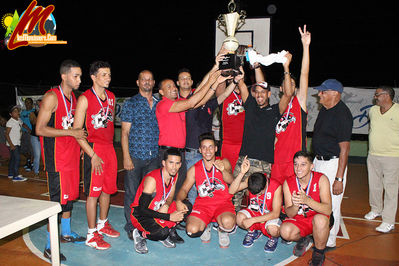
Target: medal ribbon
238,99
69,113
206,174
99,101
164,195
262,211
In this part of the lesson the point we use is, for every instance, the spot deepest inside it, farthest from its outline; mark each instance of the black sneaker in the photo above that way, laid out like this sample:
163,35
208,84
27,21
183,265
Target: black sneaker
175,237
317,259
302,246
180,226
73,238
47,255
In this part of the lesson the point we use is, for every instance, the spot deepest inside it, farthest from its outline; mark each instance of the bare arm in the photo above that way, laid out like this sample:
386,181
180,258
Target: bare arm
288,89
275,213
290,209
302,92
237,184
7,135
185,188
48,106
338,186
80,114
127,160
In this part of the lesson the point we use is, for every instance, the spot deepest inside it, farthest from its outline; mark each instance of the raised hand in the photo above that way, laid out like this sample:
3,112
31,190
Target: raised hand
305,35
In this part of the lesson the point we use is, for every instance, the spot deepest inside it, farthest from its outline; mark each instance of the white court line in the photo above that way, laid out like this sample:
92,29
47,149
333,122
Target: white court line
363,219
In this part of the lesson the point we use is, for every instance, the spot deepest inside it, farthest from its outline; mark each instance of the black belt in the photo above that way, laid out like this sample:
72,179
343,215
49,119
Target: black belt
170,147
325,158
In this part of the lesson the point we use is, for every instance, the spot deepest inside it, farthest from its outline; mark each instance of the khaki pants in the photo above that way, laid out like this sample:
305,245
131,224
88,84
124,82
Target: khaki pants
255,166
383,175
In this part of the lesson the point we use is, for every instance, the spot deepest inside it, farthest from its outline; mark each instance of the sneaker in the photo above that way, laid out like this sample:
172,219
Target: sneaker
140,244
234,230
385,227
10,176
224,239
371,215
285,242
168,243
47,255
108,230
250,238
96,241
302,246
73,238
180,227
317,259
271,245
206,235
130,234
215,226
175,237
19,178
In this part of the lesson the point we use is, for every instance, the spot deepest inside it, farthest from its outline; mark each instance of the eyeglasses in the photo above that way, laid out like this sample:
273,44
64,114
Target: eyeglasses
378,94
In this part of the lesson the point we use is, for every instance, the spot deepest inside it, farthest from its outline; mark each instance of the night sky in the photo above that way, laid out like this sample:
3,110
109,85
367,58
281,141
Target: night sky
356,43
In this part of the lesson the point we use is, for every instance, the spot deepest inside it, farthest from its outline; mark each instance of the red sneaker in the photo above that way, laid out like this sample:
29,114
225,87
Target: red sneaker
108,230
97,242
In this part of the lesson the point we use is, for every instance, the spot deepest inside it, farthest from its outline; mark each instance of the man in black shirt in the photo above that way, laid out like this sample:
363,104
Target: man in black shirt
331,143
259,128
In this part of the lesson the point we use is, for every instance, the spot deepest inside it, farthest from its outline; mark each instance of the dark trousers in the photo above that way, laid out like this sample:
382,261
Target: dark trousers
13,165
182,171
132,180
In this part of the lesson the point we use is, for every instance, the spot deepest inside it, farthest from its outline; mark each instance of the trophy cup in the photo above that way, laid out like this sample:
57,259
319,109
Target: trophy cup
229,23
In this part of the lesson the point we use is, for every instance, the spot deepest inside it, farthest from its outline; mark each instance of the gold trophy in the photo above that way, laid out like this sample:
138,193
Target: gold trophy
229,23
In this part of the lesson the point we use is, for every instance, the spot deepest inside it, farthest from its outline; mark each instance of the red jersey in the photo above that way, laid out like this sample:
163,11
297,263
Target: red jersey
263,203
172,126
232,117
290,132
312,190
210,184
162,191
100,117
61,153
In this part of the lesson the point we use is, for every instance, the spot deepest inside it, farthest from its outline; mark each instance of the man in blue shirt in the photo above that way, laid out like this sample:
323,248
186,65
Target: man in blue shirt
139,140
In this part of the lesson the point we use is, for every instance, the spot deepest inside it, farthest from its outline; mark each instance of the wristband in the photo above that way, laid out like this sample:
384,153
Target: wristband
285,73
340,179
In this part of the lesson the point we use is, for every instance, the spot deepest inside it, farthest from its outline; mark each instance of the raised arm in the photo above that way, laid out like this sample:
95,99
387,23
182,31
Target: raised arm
302,92
288,89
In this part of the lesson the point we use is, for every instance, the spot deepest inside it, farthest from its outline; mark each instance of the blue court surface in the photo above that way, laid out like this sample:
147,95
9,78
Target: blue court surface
192,252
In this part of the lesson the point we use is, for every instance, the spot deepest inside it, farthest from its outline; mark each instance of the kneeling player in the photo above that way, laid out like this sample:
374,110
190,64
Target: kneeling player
213,204
262,214
307,200
154,213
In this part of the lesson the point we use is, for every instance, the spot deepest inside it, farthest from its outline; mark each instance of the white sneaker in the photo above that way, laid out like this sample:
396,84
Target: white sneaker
385,227
206,235
371,215
224,239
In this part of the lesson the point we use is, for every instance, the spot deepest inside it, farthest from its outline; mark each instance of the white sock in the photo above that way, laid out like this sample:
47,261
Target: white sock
101,223
90,232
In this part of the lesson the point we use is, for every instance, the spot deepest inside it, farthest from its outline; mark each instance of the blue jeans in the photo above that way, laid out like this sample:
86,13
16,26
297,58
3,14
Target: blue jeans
13,164
192,157
132,181
35,142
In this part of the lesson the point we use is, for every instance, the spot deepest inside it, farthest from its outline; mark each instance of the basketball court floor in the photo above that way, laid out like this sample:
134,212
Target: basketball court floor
358,242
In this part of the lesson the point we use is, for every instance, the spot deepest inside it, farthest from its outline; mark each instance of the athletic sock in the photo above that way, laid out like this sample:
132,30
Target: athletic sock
321,251
101,223
48,244
66,226
90,233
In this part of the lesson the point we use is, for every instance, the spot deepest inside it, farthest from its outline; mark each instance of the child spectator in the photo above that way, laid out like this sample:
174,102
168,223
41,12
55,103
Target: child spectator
13,141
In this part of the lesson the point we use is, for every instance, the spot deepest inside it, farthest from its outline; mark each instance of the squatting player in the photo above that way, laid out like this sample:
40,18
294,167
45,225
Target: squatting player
211,175
262,214
59,147
96,111
307,199
154,214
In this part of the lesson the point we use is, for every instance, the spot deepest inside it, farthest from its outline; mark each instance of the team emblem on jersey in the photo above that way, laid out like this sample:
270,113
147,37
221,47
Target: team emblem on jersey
234,108
284,122
100,120
67,123
206,189
254,205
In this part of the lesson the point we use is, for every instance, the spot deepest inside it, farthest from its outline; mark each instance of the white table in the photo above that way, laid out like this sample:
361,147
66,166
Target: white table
19,213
